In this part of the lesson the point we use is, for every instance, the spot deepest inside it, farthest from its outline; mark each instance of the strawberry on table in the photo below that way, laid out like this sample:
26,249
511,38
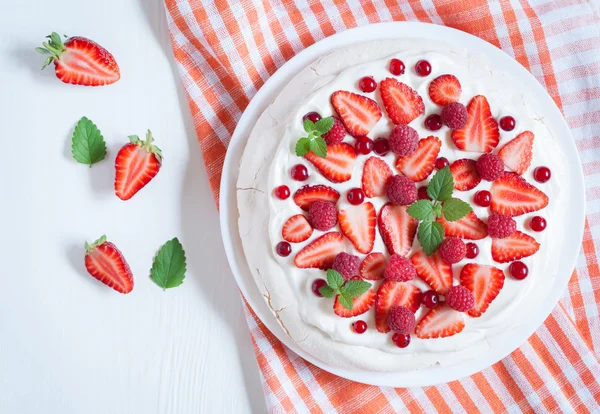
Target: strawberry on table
391,294
80,61
376,173
514,247
358,225
373,266
321,252
308,194
359,114
338,165
106,263
517,153
137,163
464,172
402,103
397,228
296,229
480,134
440,322
420,163
513,196
484,282
469,227
433,270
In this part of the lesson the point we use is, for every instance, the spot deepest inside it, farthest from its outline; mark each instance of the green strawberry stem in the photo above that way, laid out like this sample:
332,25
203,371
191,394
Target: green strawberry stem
53,47
90,247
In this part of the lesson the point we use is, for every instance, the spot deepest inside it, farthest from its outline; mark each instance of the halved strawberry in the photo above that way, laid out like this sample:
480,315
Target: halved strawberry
402,103
361,305
308,194
433,270
321,252
418,165
376,172
338,165
440,322
358,113
480,134
106,263
514,247
372,267
517,153
137,163
391,294
513,196
296,229
464,172
397,228
445,89
358,224
484,282
469,227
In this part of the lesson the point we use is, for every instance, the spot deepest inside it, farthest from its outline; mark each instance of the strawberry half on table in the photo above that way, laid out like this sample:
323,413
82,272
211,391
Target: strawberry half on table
137,163
80,61
106,263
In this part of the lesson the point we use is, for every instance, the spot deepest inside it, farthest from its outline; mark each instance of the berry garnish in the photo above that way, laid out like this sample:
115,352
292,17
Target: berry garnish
490,167
105,262
336,134
472,251
403,140
418,165
136,165
480,133
542,174
313,116
322,215
358,224
402,103
441,163
358,113
381,146
422,193
391,294
376,173
314,142
514,247
296,229
460,298
316,285
445,89
355,196
430,299
518,153
423,67
397,229
454,115
507,123
513,196
299,172
464,172
452,250
518,270
501,226
401,319
346,265
338,165
484,282
433,122
367,84
469,227
440,322
401,190
483,198
372,267
364,145
401,340
283,249
359,327
308,194
352,297
538,223
399,269
397,67
321,252
282,192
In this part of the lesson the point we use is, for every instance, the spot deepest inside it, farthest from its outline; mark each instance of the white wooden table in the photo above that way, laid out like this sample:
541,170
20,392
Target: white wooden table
68,344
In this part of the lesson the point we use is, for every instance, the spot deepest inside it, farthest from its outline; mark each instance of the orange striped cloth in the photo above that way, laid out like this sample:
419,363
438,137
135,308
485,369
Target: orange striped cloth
226,50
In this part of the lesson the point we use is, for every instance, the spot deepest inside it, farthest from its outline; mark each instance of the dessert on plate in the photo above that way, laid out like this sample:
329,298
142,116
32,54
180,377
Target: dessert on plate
399,206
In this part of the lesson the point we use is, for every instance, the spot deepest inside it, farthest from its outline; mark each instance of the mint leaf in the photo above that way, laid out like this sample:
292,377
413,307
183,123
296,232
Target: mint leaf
169,266
309,126
421,210
441,185
88,146
324,125
438,210
334,279
355,288
302,147
326,291
431,234
455,209
346,301
319,147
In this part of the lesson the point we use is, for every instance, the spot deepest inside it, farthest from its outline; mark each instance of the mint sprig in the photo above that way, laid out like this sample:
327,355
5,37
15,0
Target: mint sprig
346,291
314,142
440,189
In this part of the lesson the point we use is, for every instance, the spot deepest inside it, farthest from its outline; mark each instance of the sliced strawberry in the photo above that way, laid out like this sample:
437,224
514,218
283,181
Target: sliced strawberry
517,153
361,305
106,263
464,172
514,247
397,229
375,175
513,196
358,224
308,194
372,267
480,134
433,270
296,229
137,163
391,294
418,165
469,227
440,322
321,252
338,165
358,113
445,89
484,282
402,103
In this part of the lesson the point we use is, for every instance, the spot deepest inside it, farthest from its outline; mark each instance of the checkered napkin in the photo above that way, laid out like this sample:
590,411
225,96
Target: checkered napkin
226,50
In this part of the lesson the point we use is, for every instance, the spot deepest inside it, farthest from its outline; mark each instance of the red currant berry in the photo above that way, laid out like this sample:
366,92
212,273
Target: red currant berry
518,270
355,196
359,327
483,198
367,84
422,193
381,146
507,123
396,67
433,122
364,145
316,285
282,192
283,249
430,299
401,340
538,223
542,174
472,251
423,67
299,172
313,116
441,163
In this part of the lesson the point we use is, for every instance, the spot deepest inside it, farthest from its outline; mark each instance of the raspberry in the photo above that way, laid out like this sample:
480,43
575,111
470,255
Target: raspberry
399,269
336,134
452,250
501,226
346,264
490,167
460,298
401,190
322,215
454,115
403,140
401,319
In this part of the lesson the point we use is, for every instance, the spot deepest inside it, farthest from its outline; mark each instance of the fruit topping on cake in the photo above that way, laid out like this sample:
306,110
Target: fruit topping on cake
296,229
391,294
460,298
397,229
403,140
483,198
336,134
452,250
469,227
373,266
402,103
513,196
322,215
518,153
454,115
514,247
361,304
399,269
440,322
376,173
445,89
321,253
490,167
464,172
307,195
433,270
358,223
358,113
420,163
484,282
501,226
401,319
337,166
346,265
401,190
480,133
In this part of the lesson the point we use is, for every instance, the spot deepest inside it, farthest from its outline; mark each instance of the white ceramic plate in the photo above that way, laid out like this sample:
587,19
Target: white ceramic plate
475,46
